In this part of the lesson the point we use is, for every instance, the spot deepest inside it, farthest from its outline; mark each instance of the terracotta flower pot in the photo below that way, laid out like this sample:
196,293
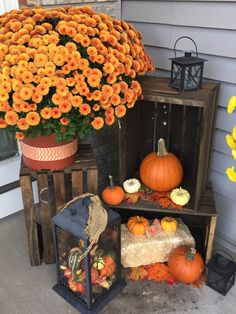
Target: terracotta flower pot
44,152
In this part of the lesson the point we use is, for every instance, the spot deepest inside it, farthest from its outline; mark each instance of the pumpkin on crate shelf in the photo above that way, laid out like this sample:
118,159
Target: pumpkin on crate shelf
180,196
137,225
186,264
161,171
131,185
113,194
169,224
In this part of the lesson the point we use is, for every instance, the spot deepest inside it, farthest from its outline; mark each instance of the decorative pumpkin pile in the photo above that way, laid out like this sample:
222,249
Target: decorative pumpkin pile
103,269
184,265
139,225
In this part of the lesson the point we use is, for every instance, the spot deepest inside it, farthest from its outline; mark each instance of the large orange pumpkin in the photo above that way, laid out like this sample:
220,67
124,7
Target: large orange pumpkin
161,171
113,194
185,264
137,224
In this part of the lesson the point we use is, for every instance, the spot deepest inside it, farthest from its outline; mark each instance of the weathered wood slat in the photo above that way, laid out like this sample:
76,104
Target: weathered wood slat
59,188
92,179
77,182
30,219
46,214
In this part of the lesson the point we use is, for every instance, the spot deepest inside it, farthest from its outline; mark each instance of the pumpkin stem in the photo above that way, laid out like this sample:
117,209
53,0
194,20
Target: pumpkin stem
161,151
191,254
111,182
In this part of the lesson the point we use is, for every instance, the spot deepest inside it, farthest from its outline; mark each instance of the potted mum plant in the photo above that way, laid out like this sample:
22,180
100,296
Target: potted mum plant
65,71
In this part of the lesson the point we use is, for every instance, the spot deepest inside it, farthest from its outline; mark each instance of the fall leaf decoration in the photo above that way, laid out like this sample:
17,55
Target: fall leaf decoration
138,273
200,282
157,272
145,194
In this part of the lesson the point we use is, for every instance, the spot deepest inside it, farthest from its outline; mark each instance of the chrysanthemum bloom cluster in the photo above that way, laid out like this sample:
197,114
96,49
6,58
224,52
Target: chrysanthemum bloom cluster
231,140
67,70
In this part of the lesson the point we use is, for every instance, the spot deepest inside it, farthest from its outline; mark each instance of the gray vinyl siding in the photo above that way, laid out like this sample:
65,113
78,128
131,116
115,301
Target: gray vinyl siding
212,25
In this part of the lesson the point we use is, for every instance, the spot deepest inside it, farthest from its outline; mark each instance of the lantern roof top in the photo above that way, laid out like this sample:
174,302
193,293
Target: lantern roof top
74,217
188,60
222,265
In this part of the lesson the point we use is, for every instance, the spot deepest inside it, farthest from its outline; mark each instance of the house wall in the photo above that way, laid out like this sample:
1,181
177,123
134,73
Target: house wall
212,25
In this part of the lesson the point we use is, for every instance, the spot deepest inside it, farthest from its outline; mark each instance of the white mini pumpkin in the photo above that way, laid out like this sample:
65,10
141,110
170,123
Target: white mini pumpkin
180,196
131,185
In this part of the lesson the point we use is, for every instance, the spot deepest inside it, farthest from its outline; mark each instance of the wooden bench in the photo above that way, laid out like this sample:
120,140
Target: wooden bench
55,188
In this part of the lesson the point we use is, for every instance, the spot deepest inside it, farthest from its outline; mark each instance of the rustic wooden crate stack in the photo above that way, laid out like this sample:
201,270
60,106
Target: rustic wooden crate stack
186,122
55,188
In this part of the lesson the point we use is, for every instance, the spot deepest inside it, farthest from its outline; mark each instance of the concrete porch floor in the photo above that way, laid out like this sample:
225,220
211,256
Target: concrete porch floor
27,290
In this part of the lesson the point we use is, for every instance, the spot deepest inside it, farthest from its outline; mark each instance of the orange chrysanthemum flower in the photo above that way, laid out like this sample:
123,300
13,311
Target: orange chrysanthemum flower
97,94
94,80
97,123
85,41
96,107
65,106
19,136
92,51
108,68
27,77
64,121
32,118
115,99
120,111
109,119
46,113
11,117
26,93
83,64
40,60
84,109
4,95
25,107
56,113
58,59
37,97
76,101
107,91
22,124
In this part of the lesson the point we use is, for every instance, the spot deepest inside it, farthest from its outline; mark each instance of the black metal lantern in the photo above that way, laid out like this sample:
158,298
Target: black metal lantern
186,71
221,273
88,274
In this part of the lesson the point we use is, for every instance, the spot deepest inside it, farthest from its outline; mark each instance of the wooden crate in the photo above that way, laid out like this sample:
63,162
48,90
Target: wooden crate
186,122
55,188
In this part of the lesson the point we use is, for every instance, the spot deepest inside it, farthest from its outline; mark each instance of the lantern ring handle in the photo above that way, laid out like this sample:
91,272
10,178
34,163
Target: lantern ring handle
187,38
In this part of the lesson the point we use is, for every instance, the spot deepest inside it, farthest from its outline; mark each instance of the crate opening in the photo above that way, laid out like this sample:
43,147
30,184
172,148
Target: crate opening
178,125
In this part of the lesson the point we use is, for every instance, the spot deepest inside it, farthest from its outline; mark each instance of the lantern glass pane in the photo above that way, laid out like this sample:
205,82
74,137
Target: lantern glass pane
176,76
71,272
104,261
216,281
192,77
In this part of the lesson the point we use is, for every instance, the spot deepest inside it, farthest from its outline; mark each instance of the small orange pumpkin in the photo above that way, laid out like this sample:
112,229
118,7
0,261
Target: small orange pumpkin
185,264
161,171
113,194
137,224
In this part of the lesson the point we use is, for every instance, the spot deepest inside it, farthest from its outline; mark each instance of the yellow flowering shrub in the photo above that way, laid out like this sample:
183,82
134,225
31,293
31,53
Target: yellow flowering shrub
231,140
67,70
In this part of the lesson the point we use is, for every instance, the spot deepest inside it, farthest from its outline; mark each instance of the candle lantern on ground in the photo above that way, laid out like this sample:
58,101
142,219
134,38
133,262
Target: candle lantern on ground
186,71
221,273
87,248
